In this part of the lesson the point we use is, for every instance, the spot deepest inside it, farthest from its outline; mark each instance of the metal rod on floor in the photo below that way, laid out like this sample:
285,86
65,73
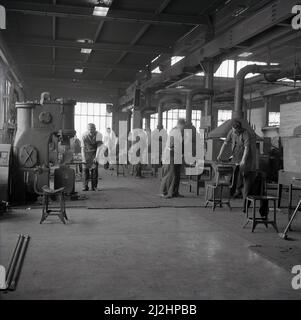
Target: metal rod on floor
14,259
284,234
19,265
14,254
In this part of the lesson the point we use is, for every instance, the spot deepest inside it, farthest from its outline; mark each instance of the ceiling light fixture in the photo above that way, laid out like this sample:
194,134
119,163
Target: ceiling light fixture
245,54
100,11
78,70
102,8
240,10
86,50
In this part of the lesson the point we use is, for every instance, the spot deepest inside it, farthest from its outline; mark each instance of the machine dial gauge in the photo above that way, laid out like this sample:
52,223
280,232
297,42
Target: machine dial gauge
45,117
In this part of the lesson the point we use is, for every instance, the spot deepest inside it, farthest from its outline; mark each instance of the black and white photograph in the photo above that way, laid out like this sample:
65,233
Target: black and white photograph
150,153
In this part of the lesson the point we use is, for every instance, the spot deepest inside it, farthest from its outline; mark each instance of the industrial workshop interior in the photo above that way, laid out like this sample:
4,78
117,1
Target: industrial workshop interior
150,150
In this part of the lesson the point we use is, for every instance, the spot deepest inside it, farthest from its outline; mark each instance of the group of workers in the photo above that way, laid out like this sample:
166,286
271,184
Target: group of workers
238,138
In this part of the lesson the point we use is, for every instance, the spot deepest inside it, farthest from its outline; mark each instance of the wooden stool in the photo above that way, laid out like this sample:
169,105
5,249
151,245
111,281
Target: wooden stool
61,212
256,220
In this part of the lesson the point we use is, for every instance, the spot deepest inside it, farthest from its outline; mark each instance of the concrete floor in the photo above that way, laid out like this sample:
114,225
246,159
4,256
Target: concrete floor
151,253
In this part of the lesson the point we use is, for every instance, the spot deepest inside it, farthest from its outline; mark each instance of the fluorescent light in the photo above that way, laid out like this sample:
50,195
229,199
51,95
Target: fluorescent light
100,11
245,54
157,57
240,10
78,70
86,51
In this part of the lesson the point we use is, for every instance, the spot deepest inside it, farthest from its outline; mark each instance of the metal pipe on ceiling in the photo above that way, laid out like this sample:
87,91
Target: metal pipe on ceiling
240,82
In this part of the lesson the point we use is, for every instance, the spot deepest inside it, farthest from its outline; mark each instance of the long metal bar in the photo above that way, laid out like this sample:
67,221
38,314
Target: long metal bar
42,42
14,261
19,265
286,230
80,12
14,254
81,64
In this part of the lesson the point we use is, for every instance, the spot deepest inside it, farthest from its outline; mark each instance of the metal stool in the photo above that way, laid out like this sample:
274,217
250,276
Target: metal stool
118,166
256,220
224,178
61,212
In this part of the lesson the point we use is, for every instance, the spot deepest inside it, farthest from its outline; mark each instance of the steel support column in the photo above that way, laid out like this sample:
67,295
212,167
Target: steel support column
160,116
209,81
188,103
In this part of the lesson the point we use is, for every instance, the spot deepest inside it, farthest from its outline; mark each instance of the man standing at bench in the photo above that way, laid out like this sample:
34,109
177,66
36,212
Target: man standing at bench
90,147
242,155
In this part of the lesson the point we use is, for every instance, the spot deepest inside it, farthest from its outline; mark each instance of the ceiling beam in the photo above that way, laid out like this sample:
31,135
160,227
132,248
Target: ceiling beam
82,12
53,38
222,45
42,42
140,34
81,64
92,83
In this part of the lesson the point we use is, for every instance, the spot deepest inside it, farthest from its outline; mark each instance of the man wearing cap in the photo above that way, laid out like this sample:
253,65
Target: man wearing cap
243,154
90,146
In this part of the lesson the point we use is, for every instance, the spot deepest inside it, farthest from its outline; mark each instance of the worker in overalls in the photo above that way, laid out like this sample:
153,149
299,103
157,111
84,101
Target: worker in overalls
90,147
243,154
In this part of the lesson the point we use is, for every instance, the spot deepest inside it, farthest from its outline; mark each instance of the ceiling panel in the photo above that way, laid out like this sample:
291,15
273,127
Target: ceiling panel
163,35
104,57
121,76
140,59
74,29
137,5
69,54
119,32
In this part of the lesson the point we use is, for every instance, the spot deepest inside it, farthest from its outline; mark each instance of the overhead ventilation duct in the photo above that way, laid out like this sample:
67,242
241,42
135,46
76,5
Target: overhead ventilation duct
223,130
293,73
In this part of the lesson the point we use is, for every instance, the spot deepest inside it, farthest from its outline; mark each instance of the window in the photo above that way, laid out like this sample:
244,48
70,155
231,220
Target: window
274,119
91,113
176,59
153,122
226,69
196,118
171,117
156,70
223,116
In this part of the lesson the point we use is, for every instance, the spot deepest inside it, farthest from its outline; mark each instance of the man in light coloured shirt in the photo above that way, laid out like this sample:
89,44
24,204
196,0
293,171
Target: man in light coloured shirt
90,148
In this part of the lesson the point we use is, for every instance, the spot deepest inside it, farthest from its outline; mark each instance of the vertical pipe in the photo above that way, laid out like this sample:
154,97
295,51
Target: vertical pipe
160,116
129,121
147,122
188,108
209,82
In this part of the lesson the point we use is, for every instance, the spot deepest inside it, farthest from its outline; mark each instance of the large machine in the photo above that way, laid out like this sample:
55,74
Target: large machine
37,123
5,163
